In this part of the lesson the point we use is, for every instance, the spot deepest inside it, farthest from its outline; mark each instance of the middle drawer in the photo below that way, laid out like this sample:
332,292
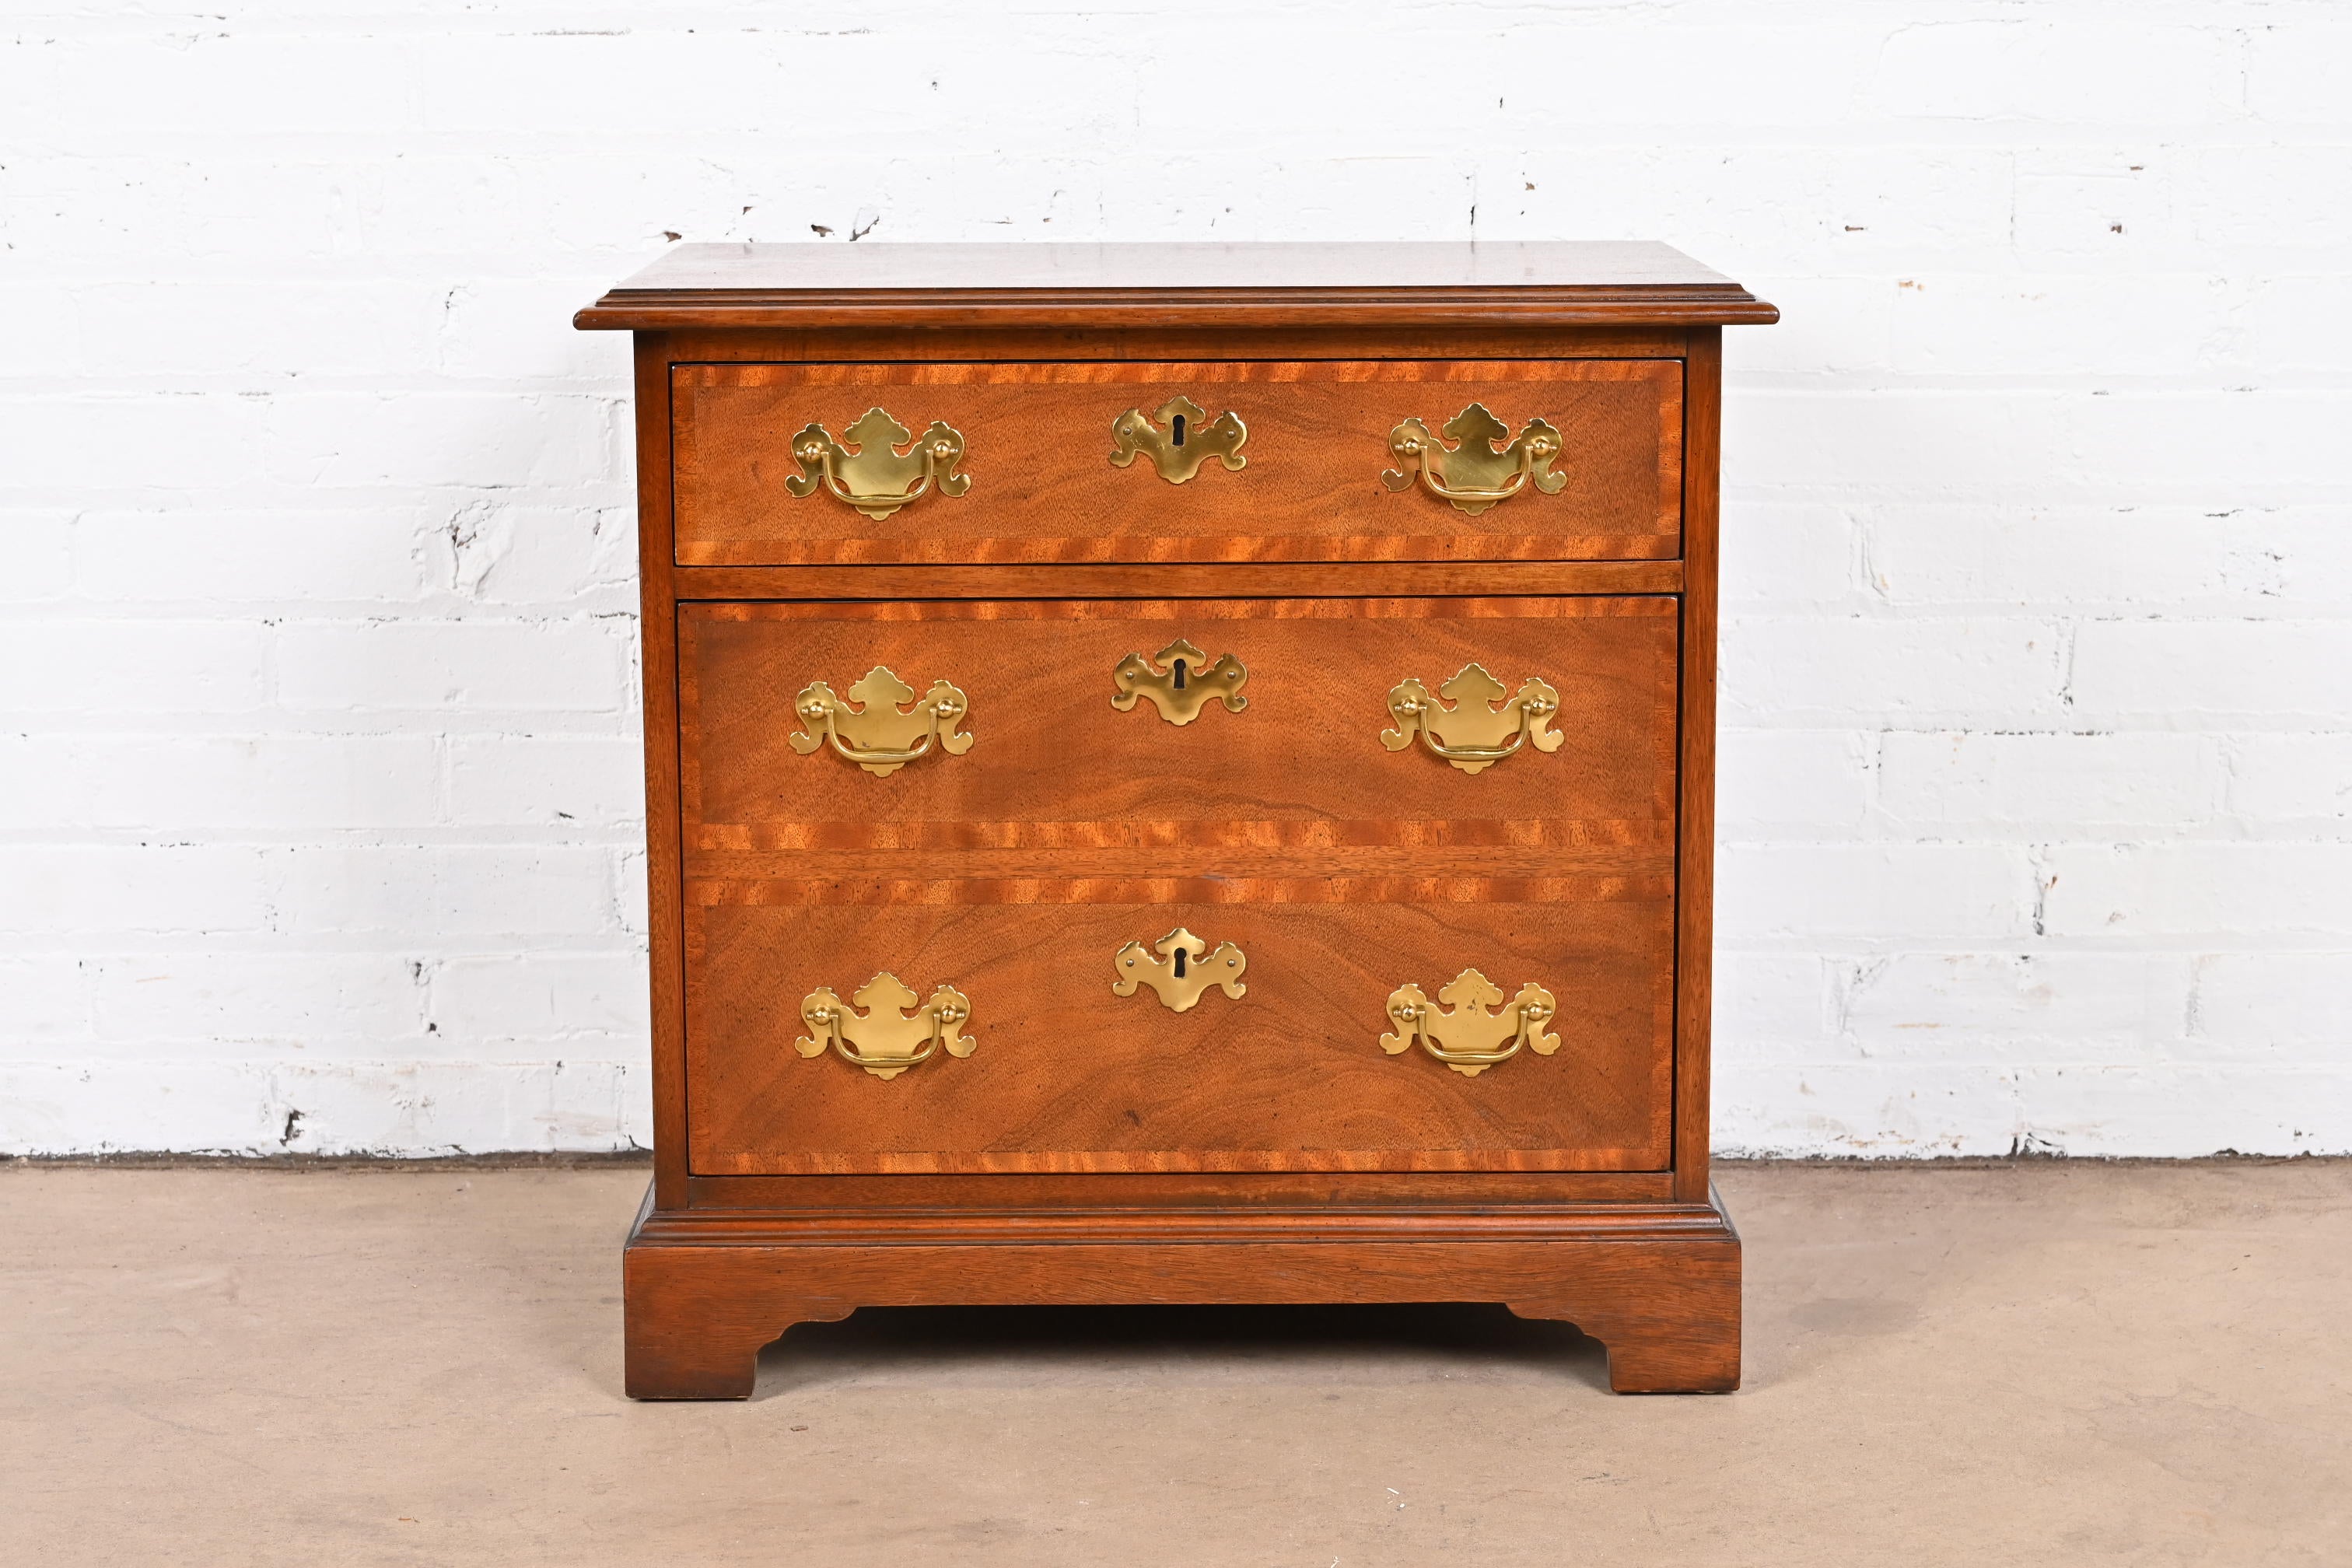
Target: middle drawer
1179,739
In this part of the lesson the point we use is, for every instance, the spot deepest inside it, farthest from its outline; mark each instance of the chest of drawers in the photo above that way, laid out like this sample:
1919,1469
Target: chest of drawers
1179,774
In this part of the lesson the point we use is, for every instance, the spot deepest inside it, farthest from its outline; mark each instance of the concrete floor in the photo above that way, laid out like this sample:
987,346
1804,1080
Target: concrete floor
2047,1362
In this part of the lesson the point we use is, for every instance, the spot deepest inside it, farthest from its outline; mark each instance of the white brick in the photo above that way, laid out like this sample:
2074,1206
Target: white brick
170,784
2301,323
44,1000
230,81
2051,783
2289,1007
507,329
2174,671
1771,1005
506,554
353,1108
375,438
1781,552
34,561
300,1000
51,895
2232,448
2294,64
68,442
2259,196
2120,68
2108,209
1892,893
1817,780
1787,668
2060,325
586,783
543,996
1882,1111
130,666
497,666
2088,557
258,332
2222,893
2291,783
400,891
2024,1008
242,556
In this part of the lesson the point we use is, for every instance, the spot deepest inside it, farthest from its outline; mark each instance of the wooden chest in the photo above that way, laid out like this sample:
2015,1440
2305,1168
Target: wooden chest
1179,773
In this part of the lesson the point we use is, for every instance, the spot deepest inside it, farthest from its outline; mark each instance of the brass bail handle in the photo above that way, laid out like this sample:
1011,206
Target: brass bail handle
865,468
885,1040
1478,725
1485,466
1467,1036
875,727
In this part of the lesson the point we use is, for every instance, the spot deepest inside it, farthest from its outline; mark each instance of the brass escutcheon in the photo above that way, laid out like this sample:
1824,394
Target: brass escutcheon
886,1041
1468,1037
1474,733
1189,439
1480,471
865,471
878,733
1182,683
1185,970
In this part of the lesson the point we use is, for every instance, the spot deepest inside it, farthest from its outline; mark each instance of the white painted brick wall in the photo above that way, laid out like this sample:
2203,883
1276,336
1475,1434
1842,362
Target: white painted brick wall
318,756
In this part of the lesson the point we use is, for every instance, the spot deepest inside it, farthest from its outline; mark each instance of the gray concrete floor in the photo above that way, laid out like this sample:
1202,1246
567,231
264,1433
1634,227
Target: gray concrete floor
2045,1362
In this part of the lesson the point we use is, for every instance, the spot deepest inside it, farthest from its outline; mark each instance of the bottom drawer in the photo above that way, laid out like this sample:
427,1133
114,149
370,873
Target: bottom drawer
1065,1074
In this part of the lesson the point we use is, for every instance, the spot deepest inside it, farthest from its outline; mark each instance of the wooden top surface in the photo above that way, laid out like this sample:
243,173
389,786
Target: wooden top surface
1052,285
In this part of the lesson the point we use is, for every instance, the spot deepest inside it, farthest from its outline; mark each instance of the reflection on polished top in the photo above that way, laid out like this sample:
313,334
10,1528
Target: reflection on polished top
1526,279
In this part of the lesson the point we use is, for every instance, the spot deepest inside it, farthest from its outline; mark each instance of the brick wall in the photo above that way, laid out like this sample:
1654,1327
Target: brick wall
318,797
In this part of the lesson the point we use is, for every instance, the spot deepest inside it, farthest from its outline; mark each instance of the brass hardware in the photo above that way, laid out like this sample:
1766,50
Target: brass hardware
886,1042
1185,684
1190,439
1474,475
1184,970
864,469
1473,734
882,739
1466,1038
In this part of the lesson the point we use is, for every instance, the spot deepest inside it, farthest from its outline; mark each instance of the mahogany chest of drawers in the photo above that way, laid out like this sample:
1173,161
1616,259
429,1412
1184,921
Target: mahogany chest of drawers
1179,773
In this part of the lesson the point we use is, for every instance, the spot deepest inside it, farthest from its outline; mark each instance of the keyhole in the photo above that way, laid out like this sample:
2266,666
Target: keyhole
1180,964
1177,426
1179,675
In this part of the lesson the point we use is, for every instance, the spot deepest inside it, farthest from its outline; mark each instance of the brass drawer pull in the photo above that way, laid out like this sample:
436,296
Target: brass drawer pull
882,737
886,1042
1183,973
865,471
1467,1037
1190,438
1181,681
1473,734
1480,471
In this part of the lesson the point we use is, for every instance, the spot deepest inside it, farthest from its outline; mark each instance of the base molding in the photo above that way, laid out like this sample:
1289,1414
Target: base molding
1657,1284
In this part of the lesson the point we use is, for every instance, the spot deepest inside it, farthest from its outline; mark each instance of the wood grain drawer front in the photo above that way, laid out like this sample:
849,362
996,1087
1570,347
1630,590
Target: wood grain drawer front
1064,1075
1037,441
1059,782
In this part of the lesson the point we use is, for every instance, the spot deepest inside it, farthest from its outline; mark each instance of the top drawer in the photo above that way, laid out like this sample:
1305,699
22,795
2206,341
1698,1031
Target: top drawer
1015,462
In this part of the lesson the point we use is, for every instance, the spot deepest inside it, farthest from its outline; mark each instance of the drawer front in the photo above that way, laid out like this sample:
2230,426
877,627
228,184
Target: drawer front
1343,858
1064,1073
1031,449
1060,778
